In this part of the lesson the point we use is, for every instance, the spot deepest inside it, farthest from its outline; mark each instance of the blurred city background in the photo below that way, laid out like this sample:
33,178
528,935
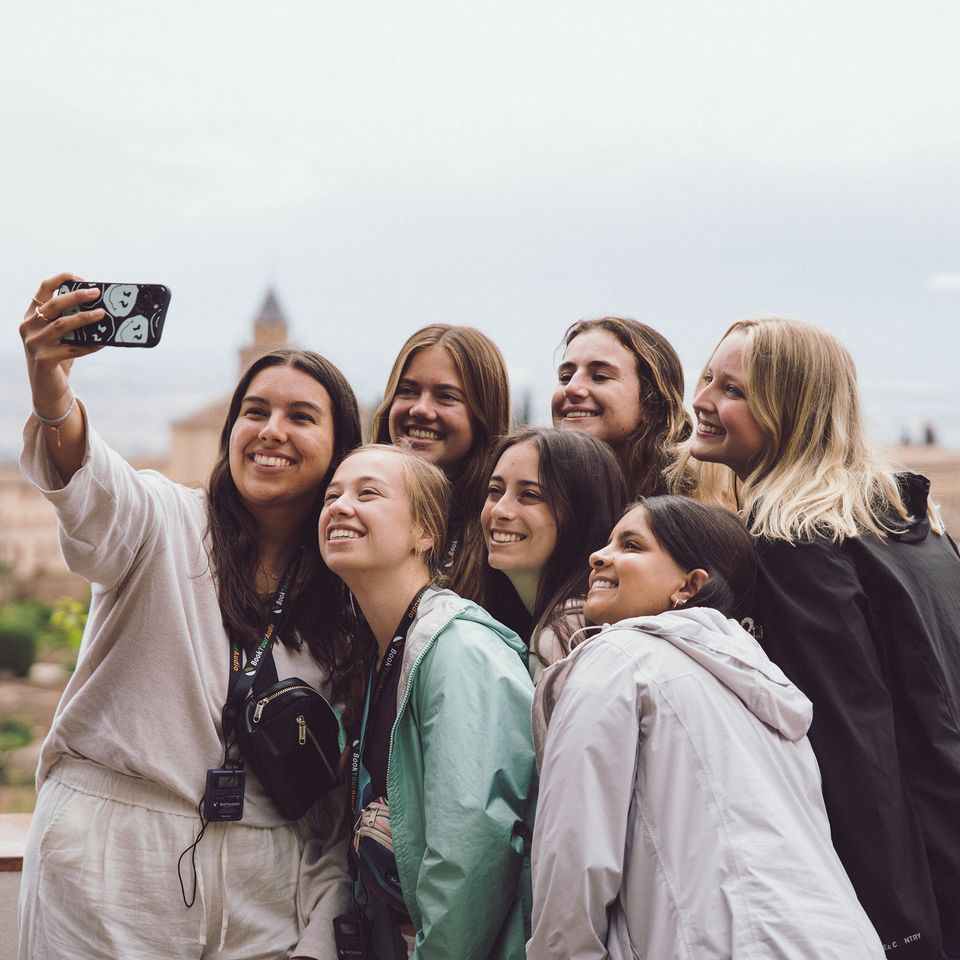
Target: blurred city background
337,175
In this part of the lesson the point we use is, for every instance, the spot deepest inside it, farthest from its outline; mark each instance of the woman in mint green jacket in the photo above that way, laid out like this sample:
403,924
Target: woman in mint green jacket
442,770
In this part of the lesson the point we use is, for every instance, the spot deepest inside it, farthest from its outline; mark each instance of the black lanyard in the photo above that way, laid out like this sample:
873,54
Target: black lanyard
241,681
376,687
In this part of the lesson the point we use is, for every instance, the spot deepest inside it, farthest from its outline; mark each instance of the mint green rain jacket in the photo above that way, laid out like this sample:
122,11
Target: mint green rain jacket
461,782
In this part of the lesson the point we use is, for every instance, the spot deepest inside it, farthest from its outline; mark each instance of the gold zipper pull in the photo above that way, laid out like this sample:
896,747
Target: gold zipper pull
302,733
259,711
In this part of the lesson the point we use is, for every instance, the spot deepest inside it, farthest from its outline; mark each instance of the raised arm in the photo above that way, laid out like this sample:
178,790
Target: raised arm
48,367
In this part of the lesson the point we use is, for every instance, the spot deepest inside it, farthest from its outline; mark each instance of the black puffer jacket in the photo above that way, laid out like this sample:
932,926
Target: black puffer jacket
870,631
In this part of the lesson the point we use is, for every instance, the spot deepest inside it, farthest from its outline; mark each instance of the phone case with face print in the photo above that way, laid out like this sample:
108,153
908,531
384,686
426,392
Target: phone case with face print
134,314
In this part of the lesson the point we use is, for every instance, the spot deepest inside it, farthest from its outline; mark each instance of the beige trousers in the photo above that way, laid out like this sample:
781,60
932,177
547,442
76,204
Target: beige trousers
100,876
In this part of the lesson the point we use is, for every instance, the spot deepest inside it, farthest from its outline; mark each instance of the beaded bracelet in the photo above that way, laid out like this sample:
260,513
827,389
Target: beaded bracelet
56,422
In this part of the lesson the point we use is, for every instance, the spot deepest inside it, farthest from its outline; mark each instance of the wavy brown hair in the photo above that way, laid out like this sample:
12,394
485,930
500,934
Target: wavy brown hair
484,374
652,448
318,606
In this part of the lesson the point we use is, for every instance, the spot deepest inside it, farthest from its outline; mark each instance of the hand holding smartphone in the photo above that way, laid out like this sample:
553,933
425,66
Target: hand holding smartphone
134,314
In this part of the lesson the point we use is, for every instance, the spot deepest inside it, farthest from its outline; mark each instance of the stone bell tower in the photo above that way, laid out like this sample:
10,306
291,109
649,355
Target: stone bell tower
269,332
195,439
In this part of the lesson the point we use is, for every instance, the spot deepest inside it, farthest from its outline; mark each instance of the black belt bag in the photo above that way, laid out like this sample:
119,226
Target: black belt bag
286,731
289,735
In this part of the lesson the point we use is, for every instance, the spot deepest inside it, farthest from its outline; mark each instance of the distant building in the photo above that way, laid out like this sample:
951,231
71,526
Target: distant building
195,439
942,468
29,542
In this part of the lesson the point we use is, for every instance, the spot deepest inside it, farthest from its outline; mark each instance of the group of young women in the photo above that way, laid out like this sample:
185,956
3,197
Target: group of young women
559,739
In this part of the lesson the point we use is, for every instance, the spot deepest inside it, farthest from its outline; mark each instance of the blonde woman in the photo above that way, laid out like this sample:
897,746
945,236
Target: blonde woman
858,600
448,399
443,763
183,582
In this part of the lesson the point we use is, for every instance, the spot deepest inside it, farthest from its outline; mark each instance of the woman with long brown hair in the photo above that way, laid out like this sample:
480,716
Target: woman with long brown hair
183,583
448,399
621,381
552,498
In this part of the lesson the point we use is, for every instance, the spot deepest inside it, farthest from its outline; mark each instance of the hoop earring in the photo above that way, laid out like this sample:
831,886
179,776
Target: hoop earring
679,602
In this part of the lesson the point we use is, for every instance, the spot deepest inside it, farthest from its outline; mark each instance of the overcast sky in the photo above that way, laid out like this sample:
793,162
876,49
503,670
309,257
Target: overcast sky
513,166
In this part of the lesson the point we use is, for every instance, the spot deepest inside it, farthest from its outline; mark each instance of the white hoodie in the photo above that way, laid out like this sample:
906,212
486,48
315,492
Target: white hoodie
680,811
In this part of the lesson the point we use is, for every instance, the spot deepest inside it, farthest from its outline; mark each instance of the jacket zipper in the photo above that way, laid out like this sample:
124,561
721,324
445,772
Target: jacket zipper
406,695
413,670
273,696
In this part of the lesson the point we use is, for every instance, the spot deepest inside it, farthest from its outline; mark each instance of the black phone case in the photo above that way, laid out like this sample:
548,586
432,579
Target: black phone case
134,314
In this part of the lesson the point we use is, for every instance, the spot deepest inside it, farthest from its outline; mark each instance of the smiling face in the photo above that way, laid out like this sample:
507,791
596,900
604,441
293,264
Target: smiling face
133,330
367,525
119,298
726,429
518,526
599,388
430,412
633,576
281,444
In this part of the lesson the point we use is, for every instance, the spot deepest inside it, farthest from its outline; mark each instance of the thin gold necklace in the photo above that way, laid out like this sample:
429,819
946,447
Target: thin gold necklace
273,576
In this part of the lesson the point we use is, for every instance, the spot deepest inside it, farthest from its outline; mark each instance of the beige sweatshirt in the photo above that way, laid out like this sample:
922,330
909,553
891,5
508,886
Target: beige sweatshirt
151,678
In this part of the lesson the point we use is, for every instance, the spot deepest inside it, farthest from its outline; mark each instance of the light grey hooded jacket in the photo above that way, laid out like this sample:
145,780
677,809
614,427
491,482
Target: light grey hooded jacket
680,810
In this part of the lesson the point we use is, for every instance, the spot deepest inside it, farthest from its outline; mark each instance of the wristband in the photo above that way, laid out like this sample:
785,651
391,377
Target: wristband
55,421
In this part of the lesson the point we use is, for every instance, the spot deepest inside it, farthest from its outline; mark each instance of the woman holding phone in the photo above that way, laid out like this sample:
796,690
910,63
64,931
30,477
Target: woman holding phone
442,770
448,399
177,576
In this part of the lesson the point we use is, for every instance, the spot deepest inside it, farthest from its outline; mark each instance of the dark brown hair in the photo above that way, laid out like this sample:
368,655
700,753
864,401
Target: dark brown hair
583,487
698,535
318,607
653,446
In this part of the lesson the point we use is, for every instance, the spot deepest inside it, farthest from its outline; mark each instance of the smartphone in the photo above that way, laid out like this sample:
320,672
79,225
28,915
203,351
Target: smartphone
134,314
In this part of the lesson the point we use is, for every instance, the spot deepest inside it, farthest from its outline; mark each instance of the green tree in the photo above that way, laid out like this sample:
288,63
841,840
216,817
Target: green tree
21,624
68,619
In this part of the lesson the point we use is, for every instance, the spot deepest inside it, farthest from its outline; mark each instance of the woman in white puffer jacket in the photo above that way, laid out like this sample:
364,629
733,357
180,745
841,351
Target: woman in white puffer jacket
680,811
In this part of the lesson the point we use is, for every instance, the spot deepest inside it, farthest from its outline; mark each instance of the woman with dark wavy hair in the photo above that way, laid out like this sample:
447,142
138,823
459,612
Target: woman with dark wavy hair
552,498
683,748
183,585
622,382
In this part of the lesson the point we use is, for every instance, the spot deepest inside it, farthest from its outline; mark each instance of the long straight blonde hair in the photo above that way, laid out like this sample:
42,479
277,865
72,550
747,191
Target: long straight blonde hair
816,474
